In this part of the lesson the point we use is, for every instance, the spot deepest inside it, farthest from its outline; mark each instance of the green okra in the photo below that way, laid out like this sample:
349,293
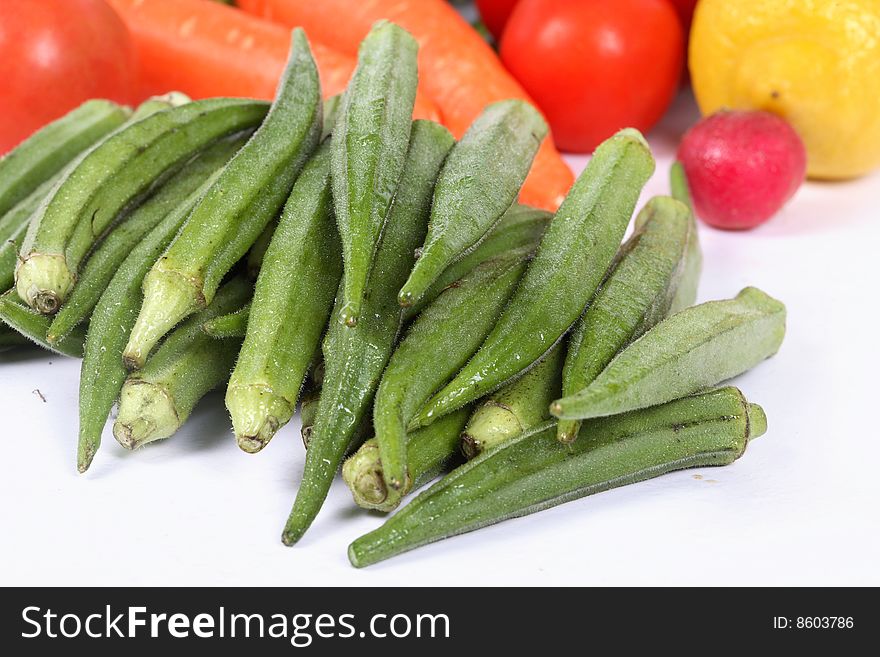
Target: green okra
236,210
308,411
534,471
13,226
369,149
638,292
45,153
519,230
233,325
574,255
428,452
690,351
686,295
331,114
293,298
112,251
258,250
103,371
515,408
34,326
158,399
478,183
355,356
109,179
438,343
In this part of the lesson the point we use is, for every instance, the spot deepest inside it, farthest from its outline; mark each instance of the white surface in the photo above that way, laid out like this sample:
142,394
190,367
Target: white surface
799,508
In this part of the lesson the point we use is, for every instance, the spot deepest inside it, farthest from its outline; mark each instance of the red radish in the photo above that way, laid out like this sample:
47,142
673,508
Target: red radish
742,167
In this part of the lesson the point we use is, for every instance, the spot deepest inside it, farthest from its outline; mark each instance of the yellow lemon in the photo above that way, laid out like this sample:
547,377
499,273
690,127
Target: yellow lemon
814,62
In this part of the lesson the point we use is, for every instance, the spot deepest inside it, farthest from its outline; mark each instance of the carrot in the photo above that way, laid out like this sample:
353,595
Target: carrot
457,69
205,49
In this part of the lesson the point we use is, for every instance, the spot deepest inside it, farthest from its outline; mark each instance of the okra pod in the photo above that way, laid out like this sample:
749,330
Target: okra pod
33,326
519,230
293,298
516,407
110,178
637,293
355,357
158,399
690,351
45,153
686,295
13,226
112,251
478,183
428,451
258,250
233,325
233,213
369,149
534,471
572,259
103,371
439,342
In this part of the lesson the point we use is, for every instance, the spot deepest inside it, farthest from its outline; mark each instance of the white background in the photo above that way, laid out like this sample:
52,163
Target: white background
801,507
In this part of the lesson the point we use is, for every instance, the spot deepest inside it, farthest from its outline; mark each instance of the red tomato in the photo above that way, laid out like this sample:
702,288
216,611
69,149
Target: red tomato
594,66
55,54
495,14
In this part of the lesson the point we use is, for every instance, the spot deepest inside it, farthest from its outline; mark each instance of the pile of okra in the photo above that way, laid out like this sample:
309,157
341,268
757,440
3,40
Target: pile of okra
377,272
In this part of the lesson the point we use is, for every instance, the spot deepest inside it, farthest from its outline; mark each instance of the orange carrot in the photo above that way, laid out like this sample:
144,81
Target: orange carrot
204,49
457,69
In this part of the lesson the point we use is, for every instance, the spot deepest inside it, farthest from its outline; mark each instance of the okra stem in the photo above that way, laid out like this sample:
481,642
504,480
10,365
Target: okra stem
515,408
428,451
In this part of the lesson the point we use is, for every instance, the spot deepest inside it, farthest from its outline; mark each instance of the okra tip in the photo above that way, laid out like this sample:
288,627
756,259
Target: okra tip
757,421
291,535
43,281
84,457
567,431
349,314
